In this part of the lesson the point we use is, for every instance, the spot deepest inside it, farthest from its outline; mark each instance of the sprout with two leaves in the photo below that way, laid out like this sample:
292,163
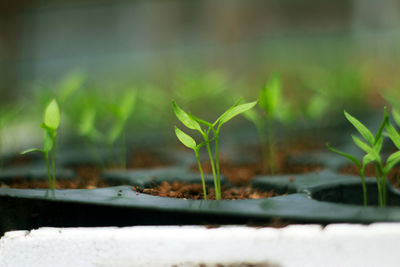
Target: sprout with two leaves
372,146
50,126
193,123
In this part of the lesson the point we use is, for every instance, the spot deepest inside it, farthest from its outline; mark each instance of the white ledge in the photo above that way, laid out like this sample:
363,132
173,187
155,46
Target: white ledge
295,245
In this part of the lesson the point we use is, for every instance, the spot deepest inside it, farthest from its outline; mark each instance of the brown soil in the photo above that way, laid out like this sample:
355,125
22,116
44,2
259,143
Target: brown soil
393,175
145,159
87,178
195,191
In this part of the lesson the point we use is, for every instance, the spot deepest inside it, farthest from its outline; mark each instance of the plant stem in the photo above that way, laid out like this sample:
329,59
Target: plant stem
53,166
216,136
379,185
383,187
46,157
364,187
123,151
201,173
217,192
271,145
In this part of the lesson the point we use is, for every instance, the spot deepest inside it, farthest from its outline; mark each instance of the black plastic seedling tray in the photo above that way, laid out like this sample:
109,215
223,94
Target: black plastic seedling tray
323,197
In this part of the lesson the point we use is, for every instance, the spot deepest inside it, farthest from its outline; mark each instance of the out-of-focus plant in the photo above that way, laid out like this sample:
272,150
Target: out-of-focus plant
276,108
50,125
7,114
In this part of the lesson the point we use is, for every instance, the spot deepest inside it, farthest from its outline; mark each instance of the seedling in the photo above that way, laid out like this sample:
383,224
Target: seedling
193,123
276,108
372,146
50,126
6,115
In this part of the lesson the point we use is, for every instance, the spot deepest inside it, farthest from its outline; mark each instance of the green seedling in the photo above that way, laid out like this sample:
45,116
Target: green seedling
193,123
121,113
50,126
372,146
6,115
275,108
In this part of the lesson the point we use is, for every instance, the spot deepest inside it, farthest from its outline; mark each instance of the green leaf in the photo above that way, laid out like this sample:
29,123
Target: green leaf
270,95
116,131
31,150
392,161
71,83
127,105
378,146
206,123
393,134
361,128
185,139
229,114
48,142
185,118
361,144
366,160
382,126
396,116
52,115
346,155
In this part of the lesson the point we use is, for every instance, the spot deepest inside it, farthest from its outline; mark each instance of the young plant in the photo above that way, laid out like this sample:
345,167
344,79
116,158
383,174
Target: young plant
372,146
6,115
50,126
275,108
121,113
193,123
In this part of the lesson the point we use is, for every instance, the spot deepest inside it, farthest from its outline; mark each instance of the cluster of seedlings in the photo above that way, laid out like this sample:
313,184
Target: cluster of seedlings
275,109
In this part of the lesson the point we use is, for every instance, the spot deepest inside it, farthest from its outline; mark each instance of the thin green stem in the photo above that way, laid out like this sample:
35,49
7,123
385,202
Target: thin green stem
364,188
46,157
123,151
216,135
383,186
379,185
271,145
53,166
201,173
217,192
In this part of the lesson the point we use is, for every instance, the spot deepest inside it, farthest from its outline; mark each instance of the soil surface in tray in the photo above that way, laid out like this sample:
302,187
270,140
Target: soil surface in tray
393,175
87,178
195,191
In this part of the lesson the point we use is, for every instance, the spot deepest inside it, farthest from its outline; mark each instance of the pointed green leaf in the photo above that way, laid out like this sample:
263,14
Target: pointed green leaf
393,134
185,118
31,150
185,139
378,146
229,109
52,115
71,83
392,161
382,126
361,144
396,116
127,105
361,128
228,115
270,95
346,155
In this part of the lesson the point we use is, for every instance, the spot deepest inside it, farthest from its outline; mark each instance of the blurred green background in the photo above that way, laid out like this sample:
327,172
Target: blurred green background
90,54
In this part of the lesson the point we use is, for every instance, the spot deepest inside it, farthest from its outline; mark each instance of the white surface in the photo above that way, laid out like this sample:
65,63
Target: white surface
296,245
